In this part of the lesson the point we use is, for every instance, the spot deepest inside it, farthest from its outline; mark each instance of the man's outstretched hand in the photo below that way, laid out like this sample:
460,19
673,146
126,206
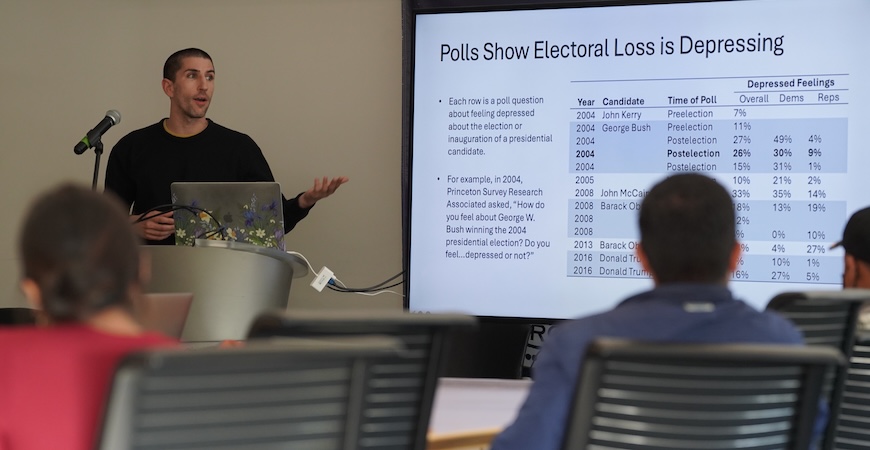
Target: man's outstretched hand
321,189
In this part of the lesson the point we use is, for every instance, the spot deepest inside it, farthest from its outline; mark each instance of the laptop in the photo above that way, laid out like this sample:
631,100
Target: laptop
165,313
249,212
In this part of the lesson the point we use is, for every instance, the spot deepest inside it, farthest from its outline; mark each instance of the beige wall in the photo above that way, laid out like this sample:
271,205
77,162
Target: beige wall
317,83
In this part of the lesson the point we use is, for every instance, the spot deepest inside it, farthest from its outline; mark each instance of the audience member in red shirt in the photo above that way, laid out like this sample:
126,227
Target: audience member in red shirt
82,269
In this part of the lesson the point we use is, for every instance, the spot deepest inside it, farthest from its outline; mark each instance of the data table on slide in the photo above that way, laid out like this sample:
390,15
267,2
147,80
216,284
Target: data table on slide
778,142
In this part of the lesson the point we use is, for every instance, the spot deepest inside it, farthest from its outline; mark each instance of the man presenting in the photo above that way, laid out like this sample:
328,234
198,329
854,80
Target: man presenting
188,147
688,246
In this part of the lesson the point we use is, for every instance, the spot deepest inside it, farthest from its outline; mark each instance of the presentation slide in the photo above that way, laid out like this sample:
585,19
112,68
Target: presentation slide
537,133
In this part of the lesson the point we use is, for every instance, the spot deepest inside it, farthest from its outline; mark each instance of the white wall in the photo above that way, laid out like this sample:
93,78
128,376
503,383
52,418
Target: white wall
317,83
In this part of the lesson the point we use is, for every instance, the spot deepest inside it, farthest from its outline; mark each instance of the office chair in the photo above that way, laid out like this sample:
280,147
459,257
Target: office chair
299,394
401,388
17,316
853,432
826,318
641,395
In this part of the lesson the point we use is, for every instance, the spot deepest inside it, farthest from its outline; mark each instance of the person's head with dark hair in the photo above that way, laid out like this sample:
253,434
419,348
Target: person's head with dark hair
80,256
174,61
687,231
856,244
188,81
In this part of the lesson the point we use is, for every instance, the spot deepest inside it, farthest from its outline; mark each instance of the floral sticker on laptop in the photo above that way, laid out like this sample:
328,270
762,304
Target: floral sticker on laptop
256,223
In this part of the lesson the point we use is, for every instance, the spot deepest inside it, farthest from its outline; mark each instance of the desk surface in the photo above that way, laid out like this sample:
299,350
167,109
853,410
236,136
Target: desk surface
469,404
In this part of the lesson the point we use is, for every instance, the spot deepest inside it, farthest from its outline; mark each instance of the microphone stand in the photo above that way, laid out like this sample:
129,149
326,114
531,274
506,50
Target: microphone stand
98,151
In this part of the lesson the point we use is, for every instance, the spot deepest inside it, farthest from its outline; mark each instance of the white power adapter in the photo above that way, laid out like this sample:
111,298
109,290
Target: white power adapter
322,279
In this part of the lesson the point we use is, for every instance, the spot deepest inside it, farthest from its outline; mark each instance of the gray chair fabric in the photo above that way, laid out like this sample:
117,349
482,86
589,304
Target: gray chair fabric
853,423
401,389
640,395
298,394
826,318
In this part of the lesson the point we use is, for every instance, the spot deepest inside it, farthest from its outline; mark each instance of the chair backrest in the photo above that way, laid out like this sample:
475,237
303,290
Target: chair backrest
401,388
17,316
641,395
852,431
300,394
826,318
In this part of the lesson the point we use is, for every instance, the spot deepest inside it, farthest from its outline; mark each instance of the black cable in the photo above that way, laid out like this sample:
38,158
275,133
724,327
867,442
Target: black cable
171,207
377,287
210,233
381,283
368,290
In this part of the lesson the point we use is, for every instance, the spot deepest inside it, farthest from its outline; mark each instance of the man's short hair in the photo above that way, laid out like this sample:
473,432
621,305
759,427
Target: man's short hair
687,229
173,63
856,235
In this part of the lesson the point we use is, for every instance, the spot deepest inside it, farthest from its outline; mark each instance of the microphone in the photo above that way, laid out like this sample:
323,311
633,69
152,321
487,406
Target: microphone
112,118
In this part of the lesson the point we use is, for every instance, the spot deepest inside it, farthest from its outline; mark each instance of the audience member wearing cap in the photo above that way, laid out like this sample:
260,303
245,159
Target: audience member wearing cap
856,243
81,267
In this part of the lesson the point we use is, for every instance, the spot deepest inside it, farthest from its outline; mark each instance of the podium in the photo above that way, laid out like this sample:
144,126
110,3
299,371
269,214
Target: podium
232,282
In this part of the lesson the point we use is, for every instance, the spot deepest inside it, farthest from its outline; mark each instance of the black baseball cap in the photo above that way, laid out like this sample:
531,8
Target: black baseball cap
856,235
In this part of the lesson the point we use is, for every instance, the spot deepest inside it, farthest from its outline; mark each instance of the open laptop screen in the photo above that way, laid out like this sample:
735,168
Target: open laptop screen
164,312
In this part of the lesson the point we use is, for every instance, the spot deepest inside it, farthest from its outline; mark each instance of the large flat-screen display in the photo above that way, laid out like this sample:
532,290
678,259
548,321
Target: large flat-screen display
534,133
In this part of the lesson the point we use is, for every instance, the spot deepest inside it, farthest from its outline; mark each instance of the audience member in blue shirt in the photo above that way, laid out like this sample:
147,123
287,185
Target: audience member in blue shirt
688,246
